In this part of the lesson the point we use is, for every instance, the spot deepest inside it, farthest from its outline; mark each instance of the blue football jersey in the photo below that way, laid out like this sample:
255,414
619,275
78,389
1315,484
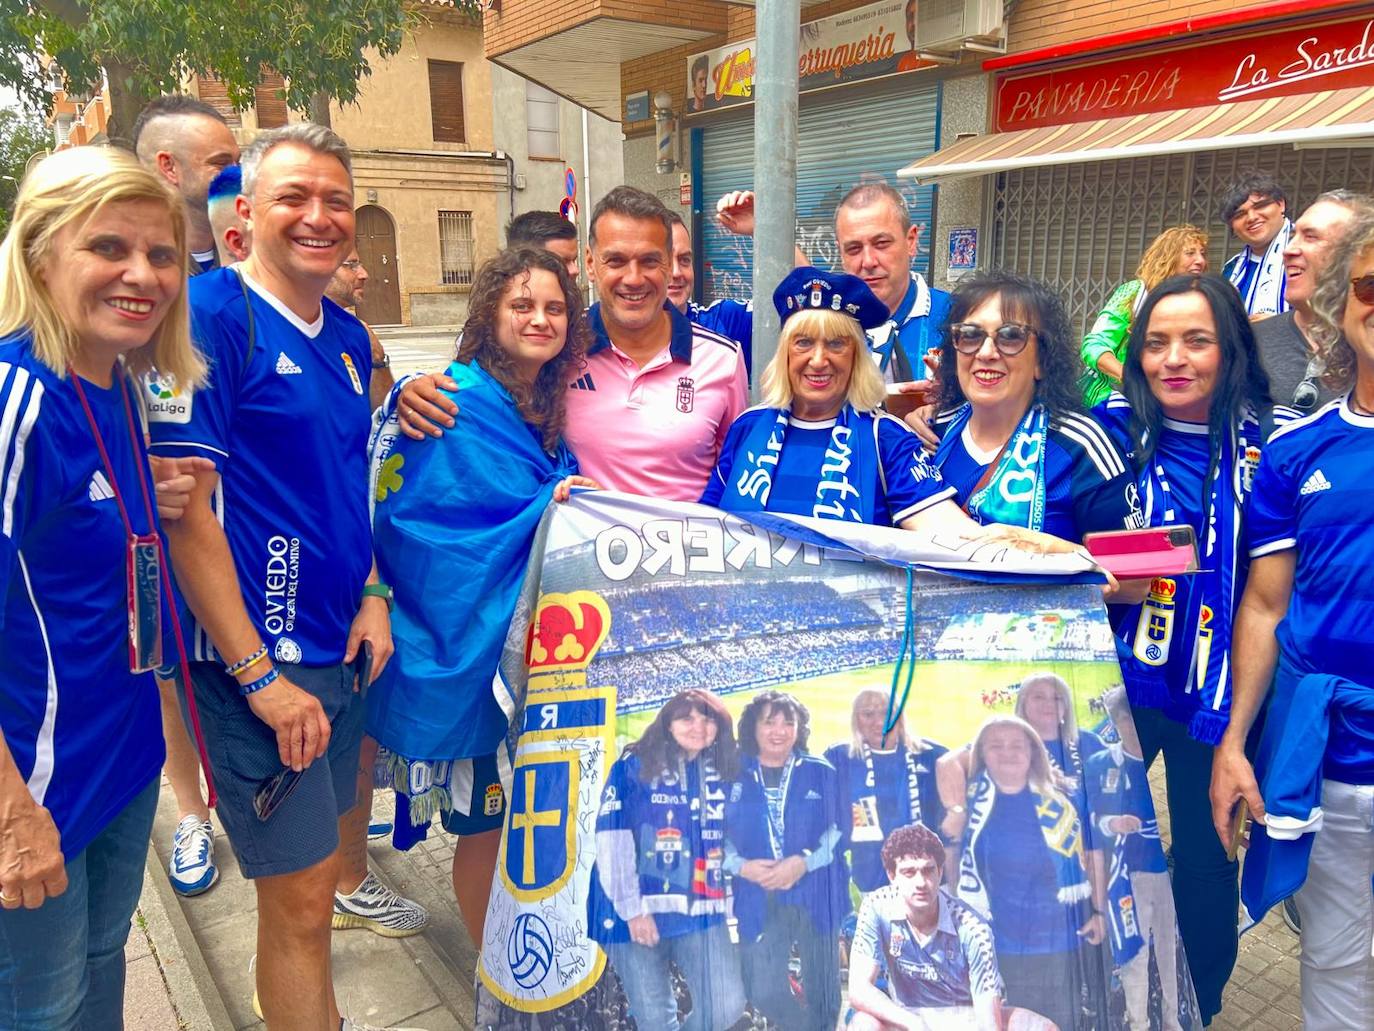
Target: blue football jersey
1088,487
1314,492
730,318
85,733
287,427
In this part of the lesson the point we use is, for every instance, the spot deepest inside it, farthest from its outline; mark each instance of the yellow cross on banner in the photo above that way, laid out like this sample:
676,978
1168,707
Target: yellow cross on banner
528,821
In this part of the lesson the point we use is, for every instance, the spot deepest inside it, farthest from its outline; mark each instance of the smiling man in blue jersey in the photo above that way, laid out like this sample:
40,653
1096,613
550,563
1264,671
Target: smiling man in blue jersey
935,952
1305,618
274,554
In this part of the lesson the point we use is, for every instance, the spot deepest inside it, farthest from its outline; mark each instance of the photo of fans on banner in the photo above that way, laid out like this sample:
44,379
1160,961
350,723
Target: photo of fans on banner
709,827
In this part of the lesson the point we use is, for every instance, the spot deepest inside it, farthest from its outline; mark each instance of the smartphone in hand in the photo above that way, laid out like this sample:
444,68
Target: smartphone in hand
1144,554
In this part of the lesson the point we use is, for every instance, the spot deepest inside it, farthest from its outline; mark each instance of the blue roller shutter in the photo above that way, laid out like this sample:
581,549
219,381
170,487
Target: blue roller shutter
846,137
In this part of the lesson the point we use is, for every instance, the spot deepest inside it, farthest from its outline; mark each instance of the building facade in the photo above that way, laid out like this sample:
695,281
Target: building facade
889,86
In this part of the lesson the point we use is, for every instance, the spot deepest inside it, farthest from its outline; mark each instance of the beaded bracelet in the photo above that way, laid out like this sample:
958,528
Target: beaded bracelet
248,660
255,686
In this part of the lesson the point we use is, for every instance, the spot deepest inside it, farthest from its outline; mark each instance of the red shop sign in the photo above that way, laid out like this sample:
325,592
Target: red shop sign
1309,58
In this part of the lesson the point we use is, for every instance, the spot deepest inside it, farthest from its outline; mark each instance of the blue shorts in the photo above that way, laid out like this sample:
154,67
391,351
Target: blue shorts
304,828
476,788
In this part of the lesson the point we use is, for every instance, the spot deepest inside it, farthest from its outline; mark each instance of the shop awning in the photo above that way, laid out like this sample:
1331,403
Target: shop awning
1331,118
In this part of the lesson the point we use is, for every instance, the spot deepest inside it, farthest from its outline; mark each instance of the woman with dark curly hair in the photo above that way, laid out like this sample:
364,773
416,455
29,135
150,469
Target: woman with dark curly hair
658,890
452,526
784,848
1015,442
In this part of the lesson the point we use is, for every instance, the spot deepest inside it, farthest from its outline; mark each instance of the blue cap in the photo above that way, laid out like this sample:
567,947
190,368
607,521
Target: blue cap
812,288
228,182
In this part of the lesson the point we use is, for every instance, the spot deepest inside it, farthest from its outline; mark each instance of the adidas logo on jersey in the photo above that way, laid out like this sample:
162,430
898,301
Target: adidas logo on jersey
99,490
1316,482
286,367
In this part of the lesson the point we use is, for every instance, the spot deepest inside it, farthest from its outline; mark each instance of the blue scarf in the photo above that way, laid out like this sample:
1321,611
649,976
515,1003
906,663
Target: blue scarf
1015,495
844,483
453,524
1062,833
1155,634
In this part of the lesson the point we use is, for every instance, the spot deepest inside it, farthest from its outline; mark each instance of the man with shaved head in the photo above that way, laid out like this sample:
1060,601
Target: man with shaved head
187,142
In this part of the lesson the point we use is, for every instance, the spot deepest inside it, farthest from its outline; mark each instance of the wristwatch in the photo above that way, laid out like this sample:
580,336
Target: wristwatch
384,362
382,591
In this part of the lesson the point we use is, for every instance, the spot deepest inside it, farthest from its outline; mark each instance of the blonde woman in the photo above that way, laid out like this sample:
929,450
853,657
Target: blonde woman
1023,869
1177,251
92,293
1046,703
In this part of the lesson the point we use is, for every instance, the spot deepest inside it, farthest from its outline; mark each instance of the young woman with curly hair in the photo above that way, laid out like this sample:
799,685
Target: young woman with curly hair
454,520
1179,250
1015,442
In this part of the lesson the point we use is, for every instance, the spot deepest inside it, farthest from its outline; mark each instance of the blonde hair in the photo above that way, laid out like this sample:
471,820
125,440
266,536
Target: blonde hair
856,744
69,188
866,391
1068,722
1160,260
1042,776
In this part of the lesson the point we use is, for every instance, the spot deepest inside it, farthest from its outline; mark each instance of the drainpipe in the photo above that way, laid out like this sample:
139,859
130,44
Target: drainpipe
778,29
584,219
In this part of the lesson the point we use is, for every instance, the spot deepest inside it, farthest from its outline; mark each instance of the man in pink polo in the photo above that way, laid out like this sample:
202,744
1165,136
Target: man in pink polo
650,410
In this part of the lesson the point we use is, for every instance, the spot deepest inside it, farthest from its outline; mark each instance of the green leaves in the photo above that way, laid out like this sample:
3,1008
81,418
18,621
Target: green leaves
21,136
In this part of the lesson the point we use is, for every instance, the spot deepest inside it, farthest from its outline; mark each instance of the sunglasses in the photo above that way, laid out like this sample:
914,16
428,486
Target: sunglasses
1009,338
1363,288
1306,393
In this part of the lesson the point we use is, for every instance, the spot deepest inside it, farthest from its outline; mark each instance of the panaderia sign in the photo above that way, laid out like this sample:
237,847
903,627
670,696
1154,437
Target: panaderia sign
1310,58
866,43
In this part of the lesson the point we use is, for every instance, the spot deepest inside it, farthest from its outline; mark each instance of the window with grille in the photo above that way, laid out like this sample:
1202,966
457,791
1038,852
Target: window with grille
455,248
541,121
270,101
446,101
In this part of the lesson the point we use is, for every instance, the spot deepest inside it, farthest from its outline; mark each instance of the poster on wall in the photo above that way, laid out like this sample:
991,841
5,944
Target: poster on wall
800,776
963,251
867,43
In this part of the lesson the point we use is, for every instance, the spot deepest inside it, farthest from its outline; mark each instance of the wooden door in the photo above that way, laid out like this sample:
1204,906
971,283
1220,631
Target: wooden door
376,235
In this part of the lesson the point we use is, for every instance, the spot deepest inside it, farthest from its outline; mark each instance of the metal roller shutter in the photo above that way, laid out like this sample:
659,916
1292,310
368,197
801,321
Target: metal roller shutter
1082,228
842,140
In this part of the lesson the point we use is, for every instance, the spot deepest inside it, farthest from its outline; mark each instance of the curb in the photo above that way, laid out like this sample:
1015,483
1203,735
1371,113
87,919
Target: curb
192,990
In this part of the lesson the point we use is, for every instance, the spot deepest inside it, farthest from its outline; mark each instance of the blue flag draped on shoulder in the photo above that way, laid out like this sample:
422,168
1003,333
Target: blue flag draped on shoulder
453,522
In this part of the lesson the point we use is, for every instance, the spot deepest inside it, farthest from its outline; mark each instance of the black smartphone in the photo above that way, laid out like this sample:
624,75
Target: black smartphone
362,666
273,791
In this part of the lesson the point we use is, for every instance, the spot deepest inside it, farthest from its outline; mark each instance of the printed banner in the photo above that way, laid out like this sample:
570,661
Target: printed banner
866,43
805,775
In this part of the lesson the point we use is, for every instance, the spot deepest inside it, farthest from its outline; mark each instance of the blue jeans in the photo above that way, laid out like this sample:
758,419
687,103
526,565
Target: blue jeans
708,963
62,964
767,970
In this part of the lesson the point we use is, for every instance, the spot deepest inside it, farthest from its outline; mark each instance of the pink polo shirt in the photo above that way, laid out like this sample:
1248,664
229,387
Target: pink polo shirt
656,430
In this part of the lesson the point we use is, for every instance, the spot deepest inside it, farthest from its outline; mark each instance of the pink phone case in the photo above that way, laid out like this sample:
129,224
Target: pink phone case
1143,554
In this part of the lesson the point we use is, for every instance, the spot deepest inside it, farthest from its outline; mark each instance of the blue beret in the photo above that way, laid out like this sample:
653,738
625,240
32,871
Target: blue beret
813,288
228,182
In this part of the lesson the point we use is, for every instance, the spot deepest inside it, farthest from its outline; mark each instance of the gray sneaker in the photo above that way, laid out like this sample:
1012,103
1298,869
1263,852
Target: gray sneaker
1291,917
379,909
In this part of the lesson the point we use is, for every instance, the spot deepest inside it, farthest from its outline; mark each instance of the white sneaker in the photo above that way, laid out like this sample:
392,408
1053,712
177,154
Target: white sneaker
379,909
192,870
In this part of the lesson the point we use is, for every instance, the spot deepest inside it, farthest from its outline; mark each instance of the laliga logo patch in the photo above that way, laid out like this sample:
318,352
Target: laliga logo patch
164,401
686,393
492,800
352,372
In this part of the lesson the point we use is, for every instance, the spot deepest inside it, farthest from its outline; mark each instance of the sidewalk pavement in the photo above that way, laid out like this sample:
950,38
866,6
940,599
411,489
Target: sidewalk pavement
189,959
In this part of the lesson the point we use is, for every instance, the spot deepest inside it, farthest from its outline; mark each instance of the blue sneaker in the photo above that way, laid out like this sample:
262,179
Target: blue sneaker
192,870
375,831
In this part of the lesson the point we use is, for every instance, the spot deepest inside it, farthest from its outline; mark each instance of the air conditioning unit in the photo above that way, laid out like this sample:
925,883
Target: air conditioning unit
946,24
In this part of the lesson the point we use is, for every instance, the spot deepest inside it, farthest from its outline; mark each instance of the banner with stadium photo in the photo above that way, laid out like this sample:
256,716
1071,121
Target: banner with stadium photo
709,828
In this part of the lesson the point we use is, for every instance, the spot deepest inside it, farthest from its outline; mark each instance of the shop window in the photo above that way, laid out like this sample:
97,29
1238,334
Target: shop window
541,121
456,248
446,101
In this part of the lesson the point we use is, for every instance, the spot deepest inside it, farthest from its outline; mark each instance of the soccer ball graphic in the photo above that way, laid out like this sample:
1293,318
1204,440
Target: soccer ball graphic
529,950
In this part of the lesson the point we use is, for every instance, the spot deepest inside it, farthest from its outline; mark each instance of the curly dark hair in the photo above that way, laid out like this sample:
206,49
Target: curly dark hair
1248,183
765,704
1023,300
1242,379
659,753
542,404
916,841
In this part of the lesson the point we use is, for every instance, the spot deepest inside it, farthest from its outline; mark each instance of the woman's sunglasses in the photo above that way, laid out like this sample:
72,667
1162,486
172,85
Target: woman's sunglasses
1306,393
1009,338
1363,288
